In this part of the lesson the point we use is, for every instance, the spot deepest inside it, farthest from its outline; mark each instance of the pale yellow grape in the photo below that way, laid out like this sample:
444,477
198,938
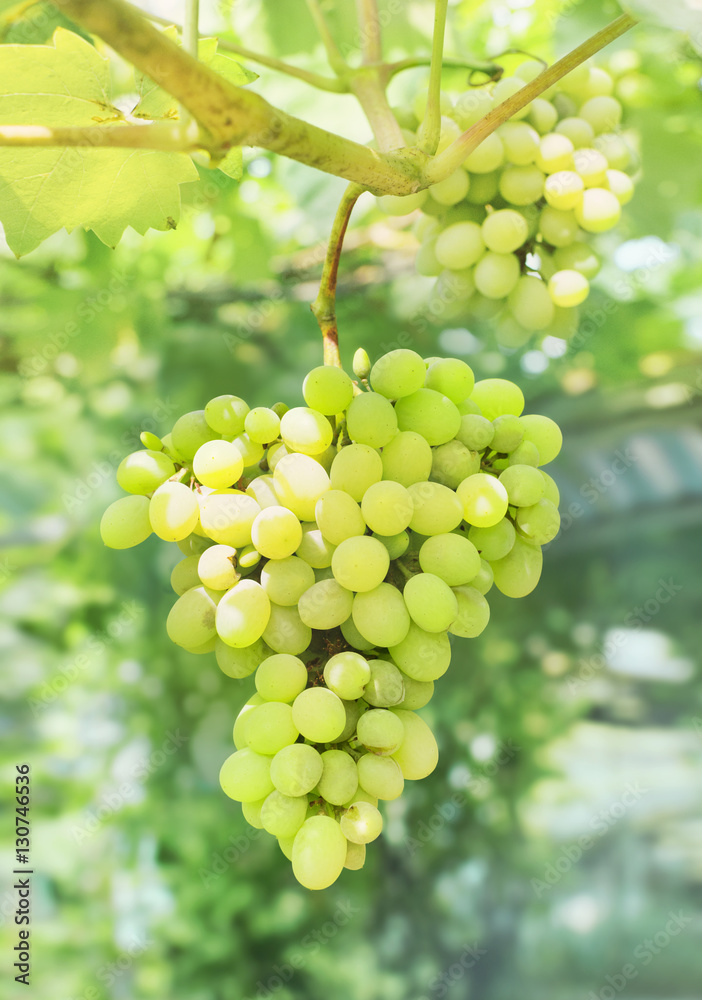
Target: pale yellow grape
319,714
296,769
246,776
520,142
239,734
306,430
281,677
531,304
250,451
204,647
286,580
542,115
518,573
339,781
452,462
191,620
339,516
319,852
486,157
451,557
360,564
621,185
436,509
471,106
262,489
604,113
283,815
564,189
591,166
406,459
251,811
451,377
239,663
576,81
227,516
430,414
504,231
418,754
484,580
568,288
496,274
170,450
380,615
380,776
599,82
558,228
473,613
270,727
243,613
417,693
430,602
615,150
217,567
459,246
475,431
426,262
380,731
451,190
248,557
493,542
286,632
354,637
524,485
522,185
314,547
396,545
555,153
483,188
355,468
371,420
276,532
184,575
387,508
274,453
299,483
398,373
507,87
327,389
326,604
173,511
540,522
262,425
226,415
361,823
218,464
580,132
143,471
599,210
422,655
384,686
189,432
126,522
496,396
545,434
526,454
484,500
346,674
355,856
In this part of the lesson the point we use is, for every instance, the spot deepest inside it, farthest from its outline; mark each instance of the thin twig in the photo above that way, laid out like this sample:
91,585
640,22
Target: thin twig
430,129
492,69
369,24
336,60
166,137
445,163
191,34
324,306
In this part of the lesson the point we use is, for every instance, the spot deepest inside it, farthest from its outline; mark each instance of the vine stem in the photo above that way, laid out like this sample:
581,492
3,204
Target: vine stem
324,306
445,163
369,81
191,34
170,138
492,69
431,126
336,60
371,41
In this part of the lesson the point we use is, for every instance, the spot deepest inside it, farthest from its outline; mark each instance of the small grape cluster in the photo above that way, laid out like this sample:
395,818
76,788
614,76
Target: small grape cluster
332,548
508,233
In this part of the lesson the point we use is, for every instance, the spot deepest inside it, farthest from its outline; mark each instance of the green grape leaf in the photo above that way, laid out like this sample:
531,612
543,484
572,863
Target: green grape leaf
155,103
233,163
32,24
43,190
683,15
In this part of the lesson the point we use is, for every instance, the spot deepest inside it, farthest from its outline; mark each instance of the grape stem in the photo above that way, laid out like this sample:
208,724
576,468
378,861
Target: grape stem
371,40
430,129
191,35
324,306
491,69
334,57
445,163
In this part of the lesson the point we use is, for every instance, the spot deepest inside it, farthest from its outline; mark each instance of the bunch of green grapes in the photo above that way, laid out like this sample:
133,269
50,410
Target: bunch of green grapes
509,233
332,548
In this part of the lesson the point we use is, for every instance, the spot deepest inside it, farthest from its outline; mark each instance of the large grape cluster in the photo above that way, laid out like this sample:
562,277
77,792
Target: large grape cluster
331,549
509,232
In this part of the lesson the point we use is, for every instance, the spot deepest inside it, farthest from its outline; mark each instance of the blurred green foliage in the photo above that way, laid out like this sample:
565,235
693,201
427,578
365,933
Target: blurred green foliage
577,714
